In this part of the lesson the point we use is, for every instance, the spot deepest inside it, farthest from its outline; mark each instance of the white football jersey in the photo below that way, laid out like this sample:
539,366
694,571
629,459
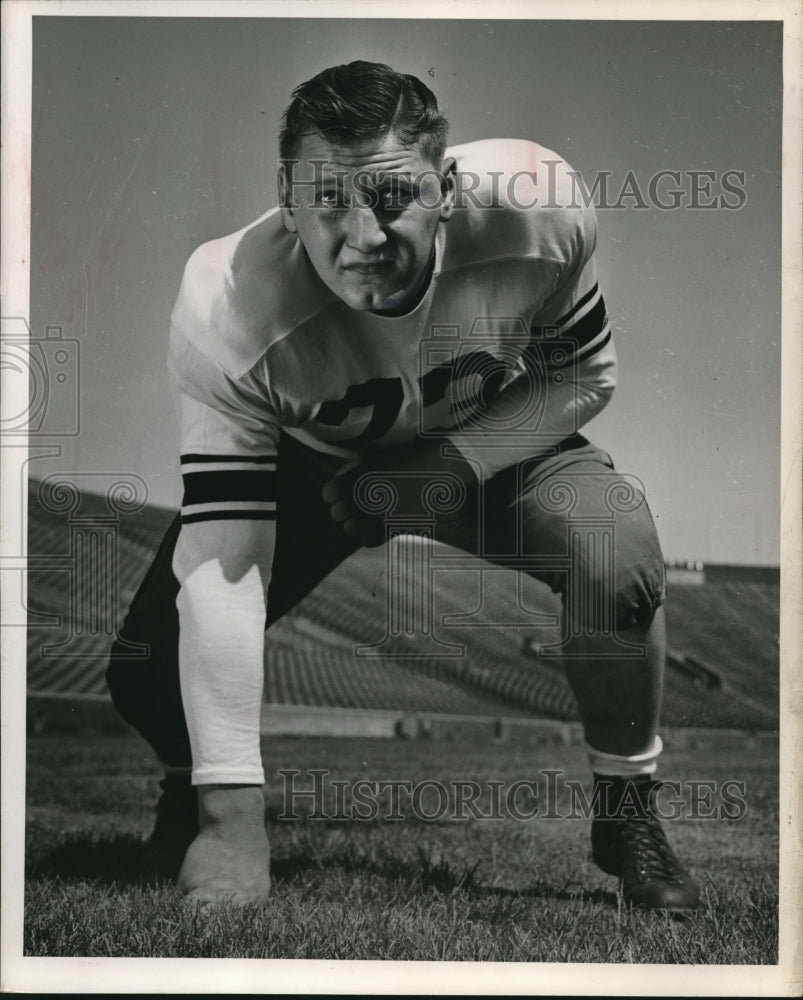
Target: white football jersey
260,345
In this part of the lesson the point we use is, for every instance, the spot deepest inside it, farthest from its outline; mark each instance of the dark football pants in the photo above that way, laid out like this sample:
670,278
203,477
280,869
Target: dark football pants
569,520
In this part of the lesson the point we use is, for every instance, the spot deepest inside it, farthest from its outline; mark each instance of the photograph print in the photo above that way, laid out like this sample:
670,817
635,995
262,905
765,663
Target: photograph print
393,484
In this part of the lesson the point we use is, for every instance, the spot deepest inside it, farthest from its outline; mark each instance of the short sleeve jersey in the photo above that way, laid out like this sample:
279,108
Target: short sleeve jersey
259,345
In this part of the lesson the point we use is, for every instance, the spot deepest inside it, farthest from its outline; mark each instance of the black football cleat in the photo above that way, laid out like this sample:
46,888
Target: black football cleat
176,826
627,841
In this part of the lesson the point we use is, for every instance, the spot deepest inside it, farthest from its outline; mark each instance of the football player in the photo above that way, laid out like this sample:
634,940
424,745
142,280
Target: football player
410,318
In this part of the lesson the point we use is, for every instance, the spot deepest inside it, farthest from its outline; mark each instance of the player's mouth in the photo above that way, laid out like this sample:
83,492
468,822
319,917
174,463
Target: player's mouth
370,268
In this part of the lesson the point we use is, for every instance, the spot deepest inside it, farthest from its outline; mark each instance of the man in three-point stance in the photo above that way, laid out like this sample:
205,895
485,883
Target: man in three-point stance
296,362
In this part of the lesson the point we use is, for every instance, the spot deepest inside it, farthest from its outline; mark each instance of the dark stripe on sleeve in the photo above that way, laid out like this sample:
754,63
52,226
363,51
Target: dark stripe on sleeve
230,515
577,357
578,305
256,459
589,352
590,326
219,487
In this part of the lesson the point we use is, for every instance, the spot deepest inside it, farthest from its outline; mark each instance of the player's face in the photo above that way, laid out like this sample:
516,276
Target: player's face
367,216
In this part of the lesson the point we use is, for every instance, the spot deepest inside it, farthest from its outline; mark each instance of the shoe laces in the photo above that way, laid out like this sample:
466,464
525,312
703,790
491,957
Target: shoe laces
652,856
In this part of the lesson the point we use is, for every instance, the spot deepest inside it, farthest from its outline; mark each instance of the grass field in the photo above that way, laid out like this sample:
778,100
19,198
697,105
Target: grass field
474,889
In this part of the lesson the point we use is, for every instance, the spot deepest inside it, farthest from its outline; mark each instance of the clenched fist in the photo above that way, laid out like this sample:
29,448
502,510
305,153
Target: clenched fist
423,486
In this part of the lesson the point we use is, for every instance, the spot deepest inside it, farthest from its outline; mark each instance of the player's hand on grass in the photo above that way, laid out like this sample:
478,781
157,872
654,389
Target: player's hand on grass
229,860
425,484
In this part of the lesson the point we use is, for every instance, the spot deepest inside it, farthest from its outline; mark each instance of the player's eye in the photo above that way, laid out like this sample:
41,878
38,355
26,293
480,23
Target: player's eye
330,199
394,199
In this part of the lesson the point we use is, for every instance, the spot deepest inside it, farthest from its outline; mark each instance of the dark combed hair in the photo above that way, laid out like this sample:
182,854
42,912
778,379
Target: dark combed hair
364,100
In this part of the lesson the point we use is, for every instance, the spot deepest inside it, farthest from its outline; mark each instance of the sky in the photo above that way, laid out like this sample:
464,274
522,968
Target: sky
153,135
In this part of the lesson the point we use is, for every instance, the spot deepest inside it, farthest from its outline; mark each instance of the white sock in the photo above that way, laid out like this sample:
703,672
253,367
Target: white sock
614,765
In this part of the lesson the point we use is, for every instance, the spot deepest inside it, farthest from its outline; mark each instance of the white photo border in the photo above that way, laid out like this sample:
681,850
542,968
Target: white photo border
90,975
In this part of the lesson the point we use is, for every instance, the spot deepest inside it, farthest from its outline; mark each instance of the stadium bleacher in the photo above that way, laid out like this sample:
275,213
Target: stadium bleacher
85,570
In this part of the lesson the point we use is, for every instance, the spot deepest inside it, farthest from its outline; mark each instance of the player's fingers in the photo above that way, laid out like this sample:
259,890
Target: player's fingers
341,511
355,527
332,491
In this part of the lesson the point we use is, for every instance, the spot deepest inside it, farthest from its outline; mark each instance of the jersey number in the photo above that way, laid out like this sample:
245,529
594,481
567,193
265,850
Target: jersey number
385,396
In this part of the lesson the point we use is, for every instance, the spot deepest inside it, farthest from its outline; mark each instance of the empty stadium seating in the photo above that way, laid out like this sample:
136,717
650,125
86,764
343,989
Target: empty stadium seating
729,626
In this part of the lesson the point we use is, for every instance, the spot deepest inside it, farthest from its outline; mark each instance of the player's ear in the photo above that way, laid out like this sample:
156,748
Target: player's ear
448,187
286,200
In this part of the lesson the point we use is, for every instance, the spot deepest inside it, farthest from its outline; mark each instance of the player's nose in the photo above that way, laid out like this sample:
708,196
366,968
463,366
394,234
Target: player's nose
363,231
